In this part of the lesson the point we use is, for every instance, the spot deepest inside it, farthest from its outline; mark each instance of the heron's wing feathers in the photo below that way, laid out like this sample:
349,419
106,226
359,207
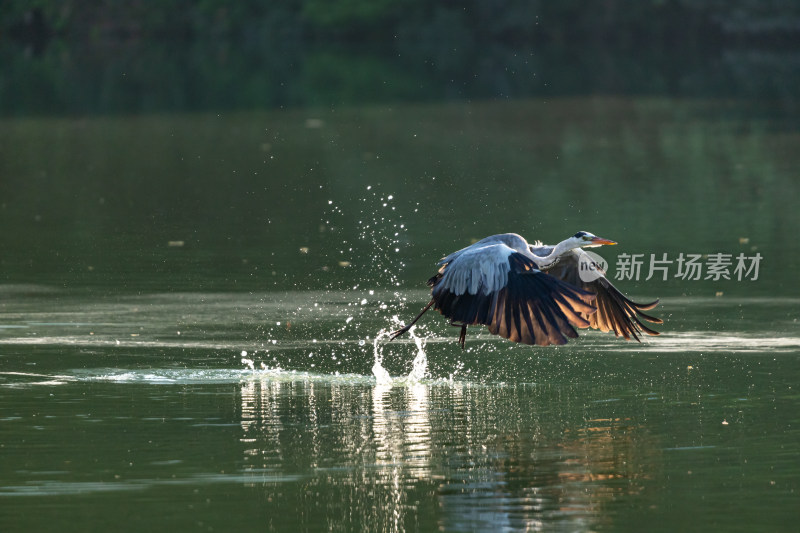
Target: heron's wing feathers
476,269
504,290
615,311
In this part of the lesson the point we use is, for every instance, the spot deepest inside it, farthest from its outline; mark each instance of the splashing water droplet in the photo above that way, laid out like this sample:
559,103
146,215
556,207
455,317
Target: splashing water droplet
382,375
419,368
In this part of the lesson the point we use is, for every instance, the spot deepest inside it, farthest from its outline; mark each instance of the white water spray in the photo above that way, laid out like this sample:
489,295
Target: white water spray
419,367
381,374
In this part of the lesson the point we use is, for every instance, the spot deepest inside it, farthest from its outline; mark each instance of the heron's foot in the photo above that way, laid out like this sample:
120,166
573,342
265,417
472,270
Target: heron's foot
462,336
407,327
399,332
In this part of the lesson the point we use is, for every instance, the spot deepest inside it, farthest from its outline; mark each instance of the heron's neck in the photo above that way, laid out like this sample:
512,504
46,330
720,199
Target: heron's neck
558,250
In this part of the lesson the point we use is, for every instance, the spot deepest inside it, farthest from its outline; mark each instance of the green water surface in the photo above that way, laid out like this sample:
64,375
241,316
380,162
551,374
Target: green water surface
189,305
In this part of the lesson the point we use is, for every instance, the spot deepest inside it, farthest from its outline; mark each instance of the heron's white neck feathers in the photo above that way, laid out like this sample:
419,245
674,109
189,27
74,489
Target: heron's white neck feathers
559,249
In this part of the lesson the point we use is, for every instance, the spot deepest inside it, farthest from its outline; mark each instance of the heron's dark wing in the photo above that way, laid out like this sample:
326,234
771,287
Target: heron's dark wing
615,311
504,290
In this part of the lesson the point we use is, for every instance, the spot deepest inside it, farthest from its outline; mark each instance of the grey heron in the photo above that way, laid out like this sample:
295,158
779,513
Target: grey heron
532,294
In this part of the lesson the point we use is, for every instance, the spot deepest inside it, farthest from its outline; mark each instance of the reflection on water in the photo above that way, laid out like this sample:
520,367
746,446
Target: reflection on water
141,401
721,342
489,458
594,435
372,197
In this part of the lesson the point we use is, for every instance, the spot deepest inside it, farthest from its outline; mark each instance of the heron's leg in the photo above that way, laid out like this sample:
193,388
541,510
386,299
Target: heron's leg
462,336
407,327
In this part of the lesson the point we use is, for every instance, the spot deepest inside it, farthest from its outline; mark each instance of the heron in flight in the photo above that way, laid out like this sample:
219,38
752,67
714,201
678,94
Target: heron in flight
533,294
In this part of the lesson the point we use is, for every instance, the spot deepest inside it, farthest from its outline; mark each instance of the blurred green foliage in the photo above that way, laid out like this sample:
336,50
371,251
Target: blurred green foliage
625,20
76,56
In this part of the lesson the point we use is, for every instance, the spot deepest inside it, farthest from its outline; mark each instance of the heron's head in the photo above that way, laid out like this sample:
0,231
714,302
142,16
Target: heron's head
584,239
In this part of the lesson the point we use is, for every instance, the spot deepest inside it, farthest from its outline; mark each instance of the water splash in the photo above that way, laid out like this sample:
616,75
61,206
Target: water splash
419,367
382,375
248,362
373,284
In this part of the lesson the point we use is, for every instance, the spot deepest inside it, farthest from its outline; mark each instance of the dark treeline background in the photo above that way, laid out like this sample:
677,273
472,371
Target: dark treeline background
100,57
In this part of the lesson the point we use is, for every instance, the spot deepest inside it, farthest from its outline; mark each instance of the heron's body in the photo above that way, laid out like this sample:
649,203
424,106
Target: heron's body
530,294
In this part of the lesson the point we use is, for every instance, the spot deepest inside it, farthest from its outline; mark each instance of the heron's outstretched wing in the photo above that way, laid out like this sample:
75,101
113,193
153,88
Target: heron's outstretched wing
615,311
503,289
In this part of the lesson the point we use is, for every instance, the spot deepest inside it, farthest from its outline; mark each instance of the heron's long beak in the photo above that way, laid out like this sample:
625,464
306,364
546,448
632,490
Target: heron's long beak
599,240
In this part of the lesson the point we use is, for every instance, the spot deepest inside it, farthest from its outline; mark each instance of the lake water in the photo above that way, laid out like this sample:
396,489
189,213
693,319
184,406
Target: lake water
191,308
